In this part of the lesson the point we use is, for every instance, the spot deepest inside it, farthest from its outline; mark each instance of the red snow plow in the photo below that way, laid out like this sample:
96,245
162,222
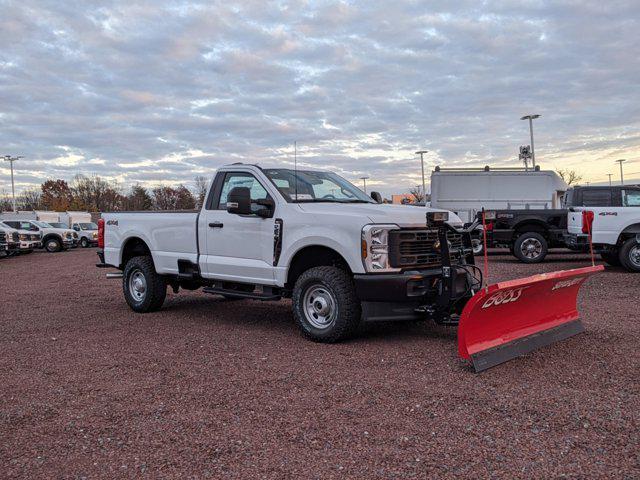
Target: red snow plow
512,318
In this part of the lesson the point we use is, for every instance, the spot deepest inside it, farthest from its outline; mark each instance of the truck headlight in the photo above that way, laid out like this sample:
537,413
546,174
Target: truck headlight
94,235
375,248
24,237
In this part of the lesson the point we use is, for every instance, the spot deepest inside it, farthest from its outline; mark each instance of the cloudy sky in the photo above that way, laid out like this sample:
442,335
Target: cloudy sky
159,92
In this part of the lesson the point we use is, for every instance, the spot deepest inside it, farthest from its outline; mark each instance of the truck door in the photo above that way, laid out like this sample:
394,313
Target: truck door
237,248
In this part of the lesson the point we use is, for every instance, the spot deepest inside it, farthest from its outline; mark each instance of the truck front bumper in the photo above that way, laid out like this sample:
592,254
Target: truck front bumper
408,295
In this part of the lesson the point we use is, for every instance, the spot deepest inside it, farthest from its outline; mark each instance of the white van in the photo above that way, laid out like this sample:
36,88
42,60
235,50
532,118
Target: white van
466,191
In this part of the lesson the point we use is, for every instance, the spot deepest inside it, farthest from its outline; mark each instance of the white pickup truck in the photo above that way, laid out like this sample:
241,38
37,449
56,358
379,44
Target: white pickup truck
269,233
615,231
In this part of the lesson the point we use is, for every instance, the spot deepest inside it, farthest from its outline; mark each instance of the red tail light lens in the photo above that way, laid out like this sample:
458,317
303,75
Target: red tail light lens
101,233
489,226
587,221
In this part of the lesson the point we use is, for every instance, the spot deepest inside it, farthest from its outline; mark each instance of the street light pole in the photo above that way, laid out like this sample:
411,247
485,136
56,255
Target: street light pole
609,175
533,151
424,188
364,182
10,159
621,177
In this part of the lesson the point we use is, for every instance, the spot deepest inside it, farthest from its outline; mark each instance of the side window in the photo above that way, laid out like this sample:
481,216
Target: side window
596,198
631,198
232,180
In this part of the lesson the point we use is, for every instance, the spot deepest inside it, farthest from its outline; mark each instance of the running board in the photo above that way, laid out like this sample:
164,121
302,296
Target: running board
266,295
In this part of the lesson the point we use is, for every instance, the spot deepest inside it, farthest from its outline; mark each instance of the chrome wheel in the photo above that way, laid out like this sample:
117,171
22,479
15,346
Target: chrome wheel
137,285
320,307
531,248
52,246
634,256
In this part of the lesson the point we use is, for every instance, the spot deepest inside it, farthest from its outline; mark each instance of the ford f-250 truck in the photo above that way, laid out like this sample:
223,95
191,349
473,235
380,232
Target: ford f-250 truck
615,231
269,233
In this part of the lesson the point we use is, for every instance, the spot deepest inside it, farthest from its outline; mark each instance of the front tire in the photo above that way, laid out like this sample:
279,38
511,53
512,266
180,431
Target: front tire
53,245
84,243
144,290
530,247
325,305
630,255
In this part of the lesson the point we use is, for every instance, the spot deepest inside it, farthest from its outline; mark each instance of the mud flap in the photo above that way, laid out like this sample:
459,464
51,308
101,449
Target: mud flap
509,319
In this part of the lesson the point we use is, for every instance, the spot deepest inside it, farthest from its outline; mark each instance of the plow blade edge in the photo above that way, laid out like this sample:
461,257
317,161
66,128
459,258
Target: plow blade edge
509,319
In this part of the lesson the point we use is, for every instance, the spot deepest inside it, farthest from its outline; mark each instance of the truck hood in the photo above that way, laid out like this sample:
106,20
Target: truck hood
401,215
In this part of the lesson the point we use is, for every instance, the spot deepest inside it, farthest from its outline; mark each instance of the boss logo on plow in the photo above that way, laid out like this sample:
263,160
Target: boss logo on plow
502,297
567,283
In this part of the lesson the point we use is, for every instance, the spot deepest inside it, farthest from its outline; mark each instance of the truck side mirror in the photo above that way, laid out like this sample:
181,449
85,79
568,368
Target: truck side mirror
239,201
268,208
376,196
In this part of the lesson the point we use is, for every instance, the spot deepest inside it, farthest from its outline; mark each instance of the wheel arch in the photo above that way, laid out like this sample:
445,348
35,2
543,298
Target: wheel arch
133,247
48,237
628,232
311,256
530,225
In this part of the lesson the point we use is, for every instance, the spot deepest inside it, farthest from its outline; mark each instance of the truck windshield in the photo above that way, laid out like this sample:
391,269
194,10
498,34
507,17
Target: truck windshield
58,225
43,224
312,186
88,226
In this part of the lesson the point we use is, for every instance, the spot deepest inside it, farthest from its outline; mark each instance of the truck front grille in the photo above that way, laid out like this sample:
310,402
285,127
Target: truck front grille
3,237
419,248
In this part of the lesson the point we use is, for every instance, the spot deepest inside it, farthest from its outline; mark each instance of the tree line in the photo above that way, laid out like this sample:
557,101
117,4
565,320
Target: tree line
96,194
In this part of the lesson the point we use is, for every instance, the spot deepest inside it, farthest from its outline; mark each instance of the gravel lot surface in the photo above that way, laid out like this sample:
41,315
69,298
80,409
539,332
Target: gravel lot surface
228,389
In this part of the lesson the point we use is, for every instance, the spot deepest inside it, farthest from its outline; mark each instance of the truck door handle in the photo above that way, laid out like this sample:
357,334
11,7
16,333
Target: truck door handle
216,225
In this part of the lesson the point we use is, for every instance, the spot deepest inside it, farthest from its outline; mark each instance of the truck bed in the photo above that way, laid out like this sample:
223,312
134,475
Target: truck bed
171,235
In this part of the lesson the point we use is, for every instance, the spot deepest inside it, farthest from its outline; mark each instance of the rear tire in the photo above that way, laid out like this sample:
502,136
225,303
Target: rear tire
630,255
325,305
53,245
611,258
144,290
530,247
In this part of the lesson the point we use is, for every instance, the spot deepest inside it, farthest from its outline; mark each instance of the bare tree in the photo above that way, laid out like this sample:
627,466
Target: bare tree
417,194
169,198
571,177
30,199
202,185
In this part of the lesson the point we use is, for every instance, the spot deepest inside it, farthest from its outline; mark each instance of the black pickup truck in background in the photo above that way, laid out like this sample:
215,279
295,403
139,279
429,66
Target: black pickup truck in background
530,233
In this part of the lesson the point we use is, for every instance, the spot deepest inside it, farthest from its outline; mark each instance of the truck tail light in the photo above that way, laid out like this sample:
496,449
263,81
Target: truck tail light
587,221
101,233
489,226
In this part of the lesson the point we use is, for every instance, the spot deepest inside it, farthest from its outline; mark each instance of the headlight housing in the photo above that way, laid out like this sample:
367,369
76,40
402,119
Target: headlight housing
375,248
24,237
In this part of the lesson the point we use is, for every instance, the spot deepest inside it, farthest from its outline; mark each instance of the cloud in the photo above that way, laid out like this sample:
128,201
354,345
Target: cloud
164,91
